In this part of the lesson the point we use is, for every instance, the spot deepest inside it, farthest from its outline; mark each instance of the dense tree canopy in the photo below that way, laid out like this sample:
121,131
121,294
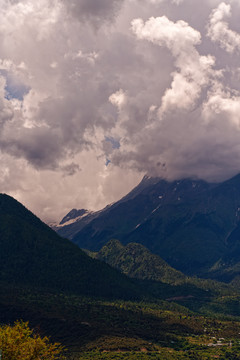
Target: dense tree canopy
19,342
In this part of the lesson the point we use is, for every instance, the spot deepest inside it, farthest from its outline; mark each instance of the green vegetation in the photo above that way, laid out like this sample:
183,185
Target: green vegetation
102,329
137,261
163,282
202,353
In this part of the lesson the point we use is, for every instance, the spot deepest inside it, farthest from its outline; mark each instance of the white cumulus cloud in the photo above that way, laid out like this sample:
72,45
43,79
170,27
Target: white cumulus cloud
219,31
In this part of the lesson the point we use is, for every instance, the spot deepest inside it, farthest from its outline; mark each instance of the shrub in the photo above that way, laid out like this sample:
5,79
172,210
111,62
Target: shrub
19,342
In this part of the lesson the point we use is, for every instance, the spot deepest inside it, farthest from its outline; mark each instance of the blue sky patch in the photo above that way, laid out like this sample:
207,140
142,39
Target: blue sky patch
15,89
114,142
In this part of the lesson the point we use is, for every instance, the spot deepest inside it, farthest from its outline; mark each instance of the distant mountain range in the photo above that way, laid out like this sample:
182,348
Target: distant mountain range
191,224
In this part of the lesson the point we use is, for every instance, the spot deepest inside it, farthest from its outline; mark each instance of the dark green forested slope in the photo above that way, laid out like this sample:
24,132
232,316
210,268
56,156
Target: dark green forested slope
33,255
162,281
137,261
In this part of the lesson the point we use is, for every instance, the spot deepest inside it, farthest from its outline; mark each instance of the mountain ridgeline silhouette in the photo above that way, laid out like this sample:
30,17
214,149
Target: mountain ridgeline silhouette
34,256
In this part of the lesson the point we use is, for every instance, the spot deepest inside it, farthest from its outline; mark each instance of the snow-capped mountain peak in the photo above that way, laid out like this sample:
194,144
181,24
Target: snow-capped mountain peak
73,216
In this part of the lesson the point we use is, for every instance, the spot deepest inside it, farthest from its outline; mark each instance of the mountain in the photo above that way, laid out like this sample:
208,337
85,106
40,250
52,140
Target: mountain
50,282
191,224
73,222
138,262
164,282
76,220
34,256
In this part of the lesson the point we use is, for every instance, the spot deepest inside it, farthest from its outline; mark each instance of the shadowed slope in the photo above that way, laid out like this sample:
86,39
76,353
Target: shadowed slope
34,255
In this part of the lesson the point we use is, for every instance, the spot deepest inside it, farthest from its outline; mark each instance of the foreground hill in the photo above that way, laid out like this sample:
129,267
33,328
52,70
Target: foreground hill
193,225
33,255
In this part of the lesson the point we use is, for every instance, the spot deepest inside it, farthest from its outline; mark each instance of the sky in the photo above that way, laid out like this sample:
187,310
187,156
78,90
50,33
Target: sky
95,94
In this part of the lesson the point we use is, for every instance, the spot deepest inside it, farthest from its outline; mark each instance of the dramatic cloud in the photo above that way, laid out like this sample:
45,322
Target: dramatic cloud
93,94
194,69
194,127
219,31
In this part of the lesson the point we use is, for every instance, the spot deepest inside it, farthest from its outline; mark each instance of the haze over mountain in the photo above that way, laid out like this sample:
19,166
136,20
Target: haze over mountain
193,225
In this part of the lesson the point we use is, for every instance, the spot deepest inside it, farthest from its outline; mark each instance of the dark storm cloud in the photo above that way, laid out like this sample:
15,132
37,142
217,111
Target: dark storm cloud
40,147
96,11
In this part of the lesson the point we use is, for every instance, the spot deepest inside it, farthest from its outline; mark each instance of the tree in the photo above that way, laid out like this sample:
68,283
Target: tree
19,342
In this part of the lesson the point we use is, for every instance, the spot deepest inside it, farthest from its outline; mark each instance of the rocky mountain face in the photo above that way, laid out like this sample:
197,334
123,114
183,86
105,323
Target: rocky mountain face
193,225
73,222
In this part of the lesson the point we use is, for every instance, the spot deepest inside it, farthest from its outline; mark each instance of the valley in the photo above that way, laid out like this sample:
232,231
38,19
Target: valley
123,300
117,329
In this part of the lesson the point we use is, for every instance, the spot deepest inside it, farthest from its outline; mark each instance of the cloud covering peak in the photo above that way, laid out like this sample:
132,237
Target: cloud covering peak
92,92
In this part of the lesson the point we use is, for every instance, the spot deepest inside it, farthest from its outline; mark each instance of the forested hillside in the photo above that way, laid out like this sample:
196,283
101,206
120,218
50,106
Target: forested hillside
33,255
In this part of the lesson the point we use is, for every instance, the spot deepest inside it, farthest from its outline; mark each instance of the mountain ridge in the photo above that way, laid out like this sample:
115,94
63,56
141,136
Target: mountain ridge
186,222
136,261
33,255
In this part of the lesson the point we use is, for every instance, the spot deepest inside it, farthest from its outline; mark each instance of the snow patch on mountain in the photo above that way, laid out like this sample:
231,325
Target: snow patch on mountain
74,220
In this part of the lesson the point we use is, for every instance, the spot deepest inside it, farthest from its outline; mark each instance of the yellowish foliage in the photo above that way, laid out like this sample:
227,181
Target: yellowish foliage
19,342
